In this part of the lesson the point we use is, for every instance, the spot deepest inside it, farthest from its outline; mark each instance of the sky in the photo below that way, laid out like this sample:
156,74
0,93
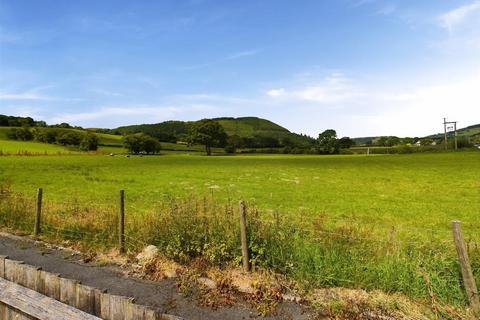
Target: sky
361,67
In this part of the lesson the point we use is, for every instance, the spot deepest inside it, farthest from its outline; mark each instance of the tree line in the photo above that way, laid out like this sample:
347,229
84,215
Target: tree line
85,141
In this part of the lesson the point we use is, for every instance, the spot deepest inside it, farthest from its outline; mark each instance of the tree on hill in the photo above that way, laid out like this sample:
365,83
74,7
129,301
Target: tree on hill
89,142
69,138
327,142
45,135
209,133
140,142
23,134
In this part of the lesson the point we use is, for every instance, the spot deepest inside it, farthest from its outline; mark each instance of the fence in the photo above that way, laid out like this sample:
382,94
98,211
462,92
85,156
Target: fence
86,299
245,232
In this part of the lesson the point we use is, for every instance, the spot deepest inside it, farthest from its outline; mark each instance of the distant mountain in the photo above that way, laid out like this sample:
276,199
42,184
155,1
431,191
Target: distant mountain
255,132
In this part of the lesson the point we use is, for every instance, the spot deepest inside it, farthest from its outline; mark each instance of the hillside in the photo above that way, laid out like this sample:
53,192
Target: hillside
471,132
107,143
264,132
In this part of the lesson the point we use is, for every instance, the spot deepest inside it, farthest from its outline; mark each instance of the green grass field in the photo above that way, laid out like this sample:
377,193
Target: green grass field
385,190
373,222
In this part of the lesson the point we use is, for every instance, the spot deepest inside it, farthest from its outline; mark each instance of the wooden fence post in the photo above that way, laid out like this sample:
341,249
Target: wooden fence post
243,235
121,223
37,229
467,274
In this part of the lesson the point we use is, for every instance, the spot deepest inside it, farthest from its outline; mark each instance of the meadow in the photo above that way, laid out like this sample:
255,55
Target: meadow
373,222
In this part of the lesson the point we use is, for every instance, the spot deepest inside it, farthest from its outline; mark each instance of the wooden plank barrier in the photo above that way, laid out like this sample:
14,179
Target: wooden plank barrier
30,304
25,279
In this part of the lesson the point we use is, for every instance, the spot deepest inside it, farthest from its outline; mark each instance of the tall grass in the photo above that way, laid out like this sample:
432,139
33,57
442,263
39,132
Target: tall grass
316,253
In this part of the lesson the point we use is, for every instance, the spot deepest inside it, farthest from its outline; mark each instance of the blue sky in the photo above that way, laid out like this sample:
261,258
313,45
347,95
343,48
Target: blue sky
362,67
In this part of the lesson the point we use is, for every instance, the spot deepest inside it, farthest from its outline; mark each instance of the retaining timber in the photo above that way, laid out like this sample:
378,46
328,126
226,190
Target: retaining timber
27,292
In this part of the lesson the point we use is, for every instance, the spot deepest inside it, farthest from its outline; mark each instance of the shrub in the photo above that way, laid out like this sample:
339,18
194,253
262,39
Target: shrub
140,142
89,142
69,138
23,134
45,135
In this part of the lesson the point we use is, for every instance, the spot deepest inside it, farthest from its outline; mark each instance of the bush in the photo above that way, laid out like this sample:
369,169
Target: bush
23,134
140,142
45,135
69,138
89,142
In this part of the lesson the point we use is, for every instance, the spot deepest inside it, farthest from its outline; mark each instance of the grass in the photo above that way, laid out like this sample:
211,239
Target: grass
32,147
390,190
376,222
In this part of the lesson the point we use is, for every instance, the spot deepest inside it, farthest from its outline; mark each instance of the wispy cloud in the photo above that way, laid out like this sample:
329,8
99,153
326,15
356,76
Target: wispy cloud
233,56
387,10
453,18
131,114
242,54
359,3
332,88
106,93
34,94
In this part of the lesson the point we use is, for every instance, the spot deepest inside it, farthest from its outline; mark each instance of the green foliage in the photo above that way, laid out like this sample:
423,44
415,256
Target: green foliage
45,135
317,253
69,138
408,140
248,132
22,134
327,142
89,142
140,142
11,121
208,133
170,131
345,143
388,141
426,142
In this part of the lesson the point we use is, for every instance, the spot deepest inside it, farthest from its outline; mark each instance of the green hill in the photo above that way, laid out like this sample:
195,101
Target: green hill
255,132
470,132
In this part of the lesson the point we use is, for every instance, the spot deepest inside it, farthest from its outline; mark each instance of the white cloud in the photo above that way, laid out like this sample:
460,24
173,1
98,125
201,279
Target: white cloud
276,92
23,96
130,114
453,18
116,114
360,108
334,87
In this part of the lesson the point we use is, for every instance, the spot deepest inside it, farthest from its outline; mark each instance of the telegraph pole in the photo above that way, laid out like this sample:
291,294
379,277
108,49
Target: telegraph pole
445,132
445,122
455,129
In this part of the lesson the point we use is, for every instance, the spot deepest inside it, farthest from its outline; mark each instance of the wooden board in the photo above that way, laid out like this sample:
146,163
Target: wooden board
36,305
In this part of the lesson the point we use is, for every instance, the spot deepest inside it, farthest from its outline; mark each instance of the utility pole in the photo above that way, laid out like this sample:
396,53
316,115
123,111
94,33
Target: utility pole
445,132
445,122
455,129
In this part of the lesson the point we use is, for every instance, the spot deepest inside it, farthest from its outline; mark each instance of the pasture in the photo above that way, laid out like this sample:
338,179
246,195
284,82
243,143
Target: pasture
398,190
373,222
